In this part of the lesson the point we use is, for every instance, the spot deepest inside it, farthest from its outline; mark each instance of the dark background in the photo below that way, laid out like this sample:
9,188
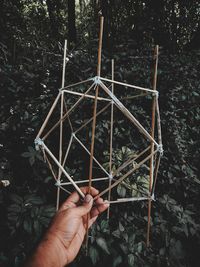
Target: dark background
32,36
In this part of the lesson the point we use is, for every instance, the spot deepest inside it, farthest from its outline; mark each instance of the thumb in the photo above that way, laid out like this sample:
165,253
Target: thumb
86,206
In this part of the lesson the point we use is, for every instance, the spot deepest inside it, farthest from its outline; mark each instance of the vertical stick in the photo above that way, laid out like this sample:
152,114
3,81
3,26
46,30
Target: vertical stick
61,123
152,144
100,47
111,141
94,122
64,64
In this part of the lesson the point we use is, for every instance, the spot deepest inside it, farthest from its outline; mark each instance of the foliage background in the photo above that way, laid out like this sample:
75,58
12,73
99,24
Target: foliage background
31,41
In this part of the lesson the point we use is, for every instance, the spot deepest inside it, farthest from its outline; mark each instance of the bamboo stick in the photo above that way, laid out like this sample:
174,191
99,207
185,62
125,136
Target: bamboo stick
67,113
124,200
86,96
158,123
78,83
125,175
67,191
87,122
111,140
128,114
66,155
64,64
48,116
94,122
129,161
93,139
100,46
61,123
61,142
63,170
101,167
156,173
152,144
70,124
127,85
87,180
132,97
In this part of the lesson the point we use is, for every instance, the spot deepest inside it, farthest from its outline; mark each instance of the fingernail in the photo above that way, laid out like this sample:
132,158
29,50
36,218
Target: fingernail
87,198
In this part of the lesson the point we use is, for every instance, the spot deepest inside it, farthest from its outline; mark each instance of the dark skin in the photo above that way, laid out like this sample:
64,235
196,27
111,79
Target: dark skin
65,236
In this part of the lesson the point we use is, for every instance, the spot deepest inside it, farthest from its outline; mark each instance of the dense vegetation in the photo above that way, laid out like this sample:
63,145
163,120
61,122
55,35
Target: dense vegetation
32,35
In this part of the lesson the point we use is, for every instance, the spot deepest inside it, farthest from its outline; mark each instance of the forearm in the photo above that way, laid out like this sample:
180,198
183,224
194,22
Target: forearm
48,253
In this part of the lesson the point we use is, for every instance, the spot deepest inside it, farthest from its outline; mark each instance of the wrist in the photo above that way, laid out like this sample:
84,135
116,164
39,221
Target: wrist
49,253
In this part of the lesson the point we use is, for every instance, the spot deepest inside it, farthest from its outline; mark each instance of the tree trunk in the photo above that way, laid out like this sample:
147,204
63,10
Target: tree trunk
71,23
51,7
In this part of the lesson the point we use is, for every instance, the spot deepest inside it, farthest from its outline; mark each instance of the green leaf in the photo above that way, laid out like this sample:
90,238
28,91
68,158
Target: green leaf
117,260
121,227
131,260
94,255
101,242
121,190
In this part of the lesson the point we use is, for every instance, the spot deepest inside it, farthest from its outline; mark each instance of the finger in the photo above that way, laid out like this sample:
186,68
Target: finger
74,198
99,201
98,209
85,207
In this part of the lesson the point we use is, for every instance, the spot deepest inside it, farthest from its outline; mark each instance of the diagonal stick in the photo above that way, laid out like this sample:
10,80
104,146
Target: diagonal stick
48,116
125,175
63,170
90,154
87,122
68,112
127,113
78,83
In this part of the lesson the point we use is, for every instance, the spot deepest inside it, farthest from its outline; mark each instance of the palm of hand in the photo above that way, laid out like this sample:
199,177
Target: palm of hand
70,223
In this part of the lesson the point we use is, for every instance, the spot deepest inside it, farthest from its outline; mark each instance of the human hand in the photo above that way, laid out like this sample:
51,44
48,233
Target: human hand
65,236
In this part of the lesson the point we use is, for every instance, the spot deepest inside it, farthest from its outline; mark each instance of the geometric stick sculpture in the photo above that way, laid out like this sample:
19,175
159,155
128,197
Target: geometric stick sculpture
98,96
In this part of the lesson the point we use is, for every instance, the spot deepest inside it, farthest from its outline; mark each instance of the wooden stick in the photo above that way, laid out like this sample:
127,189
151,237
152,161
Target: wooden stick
90,155
48,115
66,154
152,144
50,167
63,170
78,83
86,181
61,142
86,96
100,46
92,142
156,173
158,123
125,175
61,123
132,97
68,112
68,192
124,200
87,122
127,85
128,114
111,140
94,122
130,161
64,64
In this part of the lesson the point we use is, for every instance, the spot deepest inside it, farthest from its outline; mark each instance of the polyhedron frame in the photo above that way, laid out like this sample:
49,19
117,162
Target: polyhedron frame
98,83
